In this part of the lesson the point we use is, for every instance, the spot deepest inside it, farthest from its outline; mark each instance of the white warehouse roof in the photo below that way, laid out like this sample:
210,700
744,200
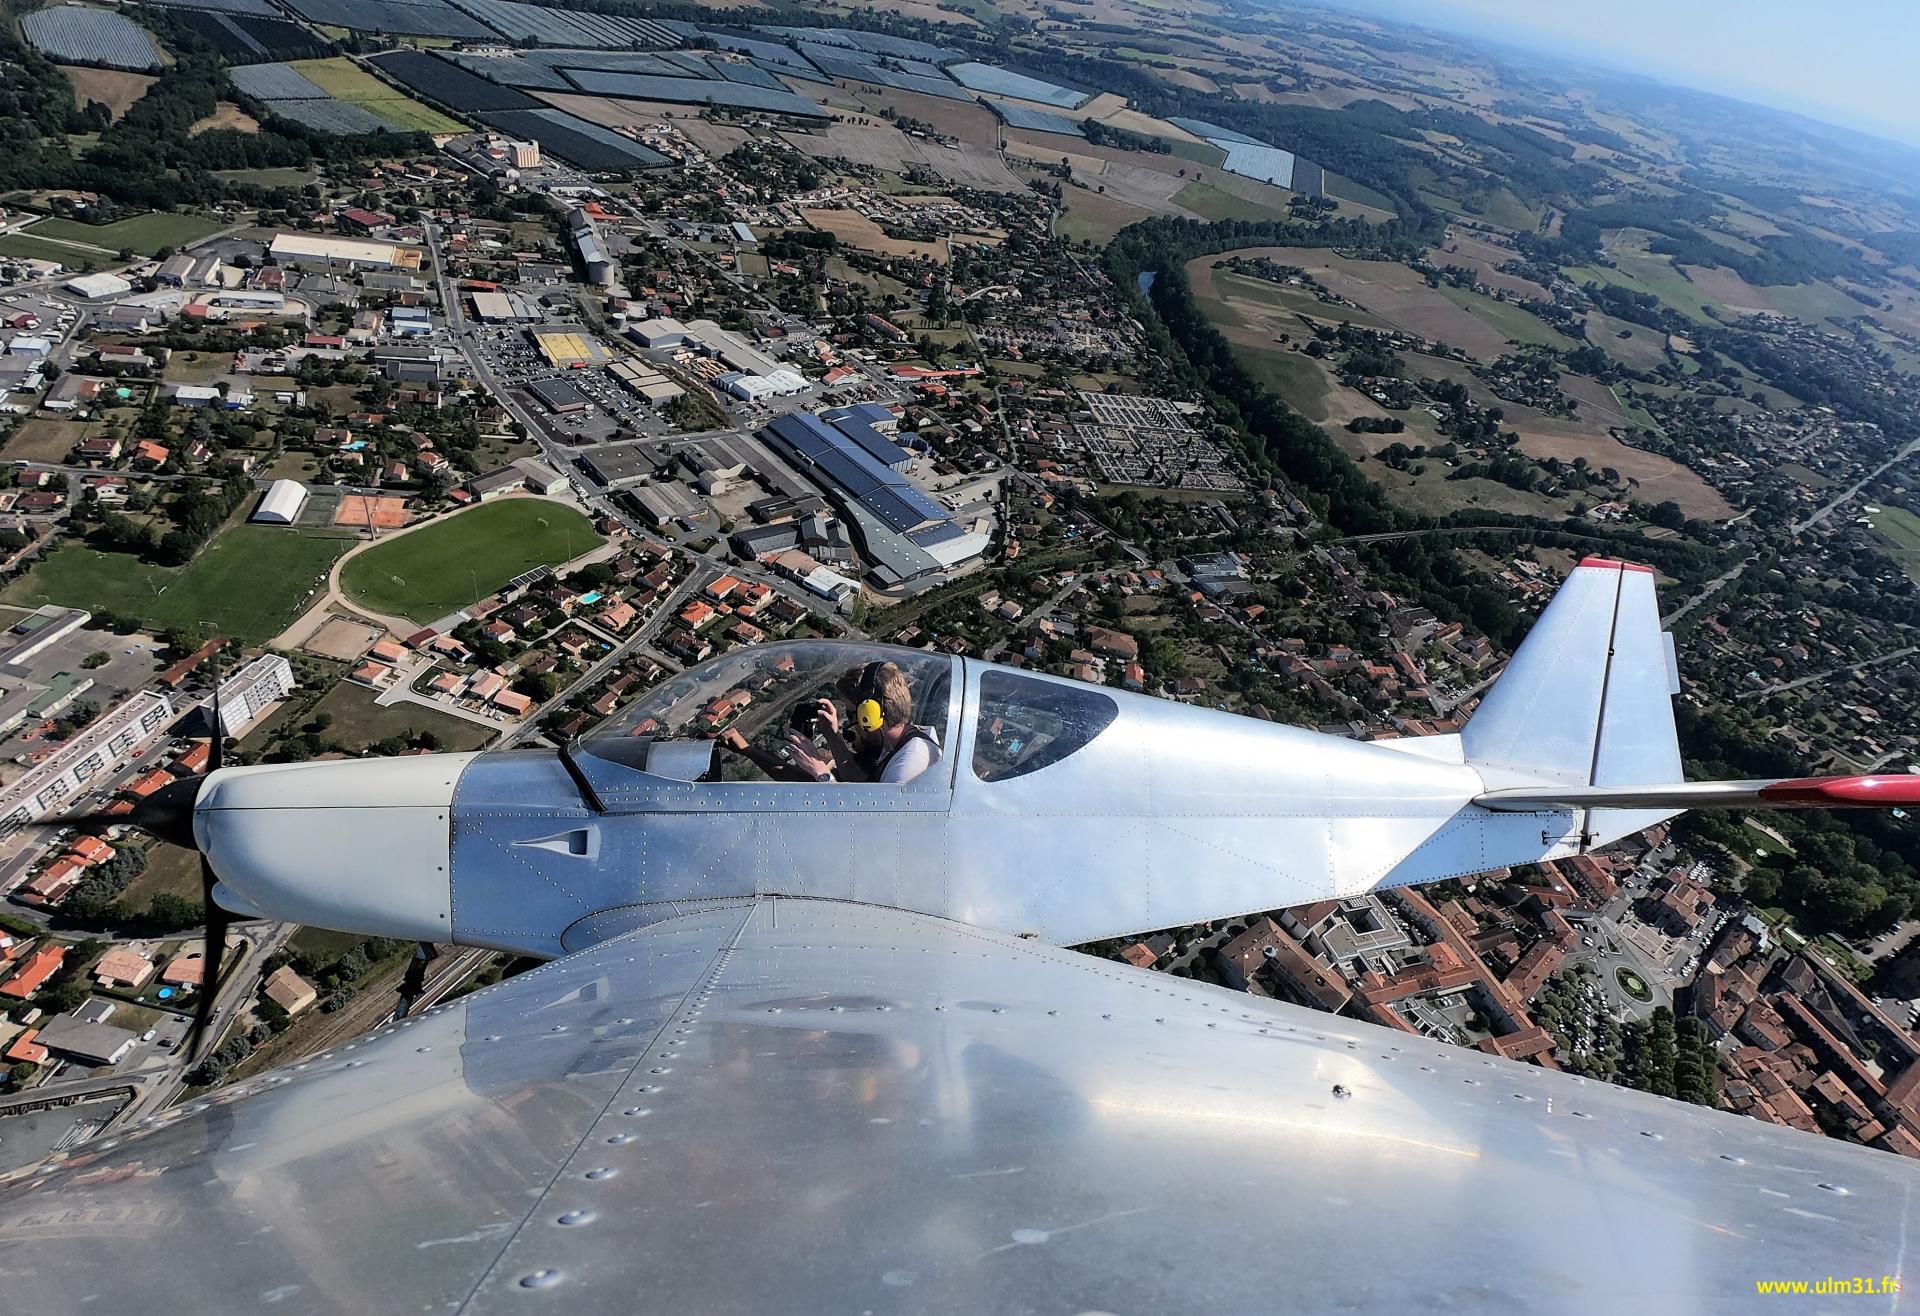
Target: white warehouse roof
282,504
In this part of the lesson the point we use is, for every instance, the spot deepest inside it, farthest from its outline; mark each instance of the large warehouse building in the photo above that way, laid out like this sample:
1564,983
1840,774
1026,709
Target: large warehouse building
315,249
282,502
903,533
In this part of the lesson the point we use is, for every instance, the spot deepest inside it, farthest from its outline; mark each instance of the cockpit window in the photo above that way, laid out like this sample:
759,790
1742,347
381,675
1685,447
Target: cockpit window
1026,725
756,696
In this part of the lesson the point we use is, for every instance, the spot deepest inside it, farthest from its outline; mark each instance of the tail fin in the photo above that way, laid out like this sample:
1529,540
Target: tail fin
1587,700
1582,721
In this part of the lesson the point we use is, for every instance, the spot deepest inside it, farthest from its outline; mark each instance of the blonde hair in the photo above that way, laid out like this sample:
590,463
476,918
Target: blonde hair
887,684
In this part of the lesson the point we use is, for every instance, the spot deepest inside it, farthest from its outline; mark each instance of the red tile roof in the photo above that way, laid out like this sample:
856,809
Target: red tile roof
40,966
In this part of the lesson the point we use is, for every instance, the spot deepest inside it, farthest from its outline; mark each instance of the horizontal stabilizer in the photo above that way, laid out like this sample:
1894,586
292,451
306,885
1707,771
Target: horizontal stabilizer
1883,792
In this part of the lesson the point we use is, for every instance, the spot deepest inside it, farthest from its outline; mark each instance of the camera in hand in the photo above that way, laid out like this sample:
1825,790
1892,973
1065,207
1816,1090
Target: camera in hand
805,718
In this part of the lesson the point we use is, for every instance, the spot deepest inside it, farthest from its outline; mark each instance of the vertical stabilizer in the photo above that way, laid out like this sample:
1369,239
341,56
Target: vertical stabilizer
1588,699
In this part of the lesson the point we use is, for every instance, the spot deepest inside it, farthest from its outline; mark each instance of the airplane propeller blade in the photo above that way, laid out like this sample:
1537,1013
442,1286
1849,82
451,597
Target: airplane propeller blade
218,920
217,917
415,980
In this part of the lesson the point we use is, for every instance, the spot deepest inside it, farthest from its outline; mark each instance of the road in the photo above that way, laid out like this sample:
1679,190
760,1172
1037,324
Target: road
1813,519
235,994
1782,686
158,1079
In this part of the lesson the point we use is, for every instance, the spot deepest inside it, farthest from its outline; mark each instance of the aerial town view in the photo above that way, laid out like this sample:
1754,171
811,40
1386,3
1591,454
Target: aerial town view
400,381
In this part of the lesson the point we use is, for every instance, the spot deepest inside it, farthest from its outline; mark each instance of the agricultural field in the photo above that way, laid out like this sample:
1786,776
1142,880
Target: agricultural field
575,140
433,18
1901,529
1252,314
1392,295
226,115
113,88
427,573
346,81
1094,217
249,582
448,84
1505,318
243,38
856,230
1632,345
79,35
1210,202
144,234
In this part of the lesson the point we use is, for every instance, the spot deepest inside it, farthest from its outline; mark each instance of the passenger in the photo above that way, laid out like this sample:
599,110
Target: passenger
892,748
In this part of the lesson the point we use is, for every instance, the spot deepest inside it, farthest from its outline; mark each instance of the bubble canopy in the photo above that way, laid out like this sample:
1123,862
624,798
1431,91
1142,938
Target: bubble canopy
756,691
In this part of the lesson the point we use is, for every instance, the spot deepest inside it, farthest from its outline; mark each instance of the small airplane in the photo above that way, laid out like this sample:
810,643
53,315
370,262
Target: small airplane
810,1045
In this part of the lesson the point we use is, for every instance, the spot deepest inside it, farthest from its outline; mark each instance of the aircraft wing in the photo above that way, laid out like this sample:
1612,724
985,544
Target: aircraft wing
795,1106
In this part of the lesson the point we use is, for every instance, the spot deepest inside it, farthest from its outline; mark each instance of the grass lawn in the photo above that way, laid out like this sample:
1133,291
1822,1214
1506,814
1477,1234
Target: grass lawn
431,572
145,234
19,244
359,722
1902,529
43,439
1210,202
250,582
170,871
347,81
323,944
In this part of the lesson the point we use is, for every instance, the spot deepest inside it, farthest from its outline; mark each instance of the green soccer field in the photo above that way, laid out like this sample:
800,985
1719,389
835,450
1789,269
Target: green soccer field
251,582
428,573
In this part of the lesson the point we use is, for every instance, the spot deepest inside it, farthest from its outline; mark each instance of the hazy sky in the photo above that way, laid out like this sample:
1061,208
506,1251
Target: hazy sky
1854,62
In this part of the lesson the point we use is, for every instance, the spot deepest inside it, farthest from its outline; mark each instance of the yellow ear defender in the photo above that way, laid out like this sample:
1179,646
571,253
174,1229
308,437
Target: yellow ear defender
867,713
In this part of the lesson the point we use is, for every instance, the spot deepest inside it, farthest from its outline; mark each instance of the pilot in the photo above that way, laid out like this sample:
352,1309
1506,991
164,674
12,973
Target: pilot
891,748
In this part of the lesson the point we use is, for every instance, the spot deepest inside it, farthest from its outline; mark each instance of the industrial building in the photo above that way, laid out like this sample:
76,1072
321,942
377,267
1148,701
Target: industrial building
570,348
97,287
250,692
86,1043
751,388
716,464
622,466
27,638
902,533
281,504
646,383
558,396
102,747
662,504
661,333
540,477
290,248
414,363
729,348
595,263
506,308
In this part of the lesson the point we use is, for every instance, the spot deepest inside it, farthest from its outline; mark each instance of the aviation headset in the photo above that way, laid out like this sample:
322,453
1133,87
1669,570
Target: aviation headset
867,713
